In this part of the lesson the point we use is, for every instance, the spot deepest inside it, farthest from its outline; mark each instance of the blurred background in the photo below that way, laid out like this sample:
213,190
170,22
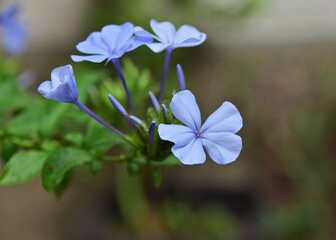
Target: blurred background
274,59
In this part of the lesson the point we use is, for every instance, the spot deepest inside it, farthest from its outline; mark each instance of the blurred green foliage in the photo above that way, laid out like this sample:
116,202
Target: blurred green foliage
48,138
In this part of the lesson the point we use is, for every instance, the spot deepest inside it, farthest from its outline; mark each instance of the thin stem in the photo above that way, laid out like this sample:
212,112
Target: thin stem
164,73
98,119
117,66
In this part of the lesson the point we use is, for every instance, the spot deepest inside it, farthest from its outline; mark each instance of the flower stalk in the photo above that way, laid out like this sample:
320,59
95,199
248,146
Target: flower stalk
118,68
164,73
85,109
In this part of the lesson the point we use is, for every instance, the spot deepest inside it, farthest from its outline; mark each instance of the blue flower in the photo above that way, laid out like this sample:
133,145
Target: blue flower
216,135
62,86
111,43
168,37
15,33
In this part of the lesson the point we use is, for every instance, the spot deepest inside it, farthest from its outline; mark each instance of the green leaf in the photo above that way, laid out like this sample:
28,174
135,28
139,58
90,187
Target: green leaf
133,169
170,161
75,138
25,123
96,166
59,163
51,116
60,188
7,149
22,167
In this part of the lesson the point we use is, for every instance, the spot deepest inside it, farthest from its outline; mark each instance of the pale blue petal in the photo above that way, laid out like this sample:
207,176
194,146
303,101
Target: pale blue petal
44,88
188,36
158,47
225,119
64,93
142,33
191,42
185,108
125,34
165,31
69,79
222,148
191,153
93,45
62,86
136,42
110,35
92,58
178,134
55,77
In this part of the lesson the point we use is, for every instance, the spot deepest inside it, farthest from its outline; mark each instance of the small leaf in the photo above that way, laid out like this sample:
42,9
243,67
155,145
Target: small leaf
75,138
170,161
22,167
7,149
25,123
133,169
59,163
51,116
96,166
60,188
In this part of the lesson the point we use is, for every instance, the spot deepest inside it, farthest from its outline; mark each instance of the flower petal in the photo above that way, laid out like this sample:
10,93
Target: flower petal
178,134
222,148
125,34
191,153
44,88
62,86
188,36
92,58
158,47
225,119
109,35
185,108
93,45
142,33
64,93
165,31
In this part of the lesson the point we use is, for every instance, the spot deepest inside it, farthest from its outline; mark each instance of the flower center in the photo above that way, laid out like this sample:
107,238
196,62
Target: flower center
197,134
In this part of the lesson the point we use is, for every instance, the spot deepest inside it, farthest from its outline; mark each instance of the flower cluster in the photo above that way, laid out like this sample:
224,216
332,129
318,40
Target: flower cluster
179,126
14,32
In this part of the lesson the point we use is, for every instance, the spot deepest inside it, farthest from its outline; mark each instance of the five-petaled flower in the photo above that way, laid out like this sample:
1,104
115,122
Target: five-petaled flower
15,34
216,135
168,37
111,43
62,86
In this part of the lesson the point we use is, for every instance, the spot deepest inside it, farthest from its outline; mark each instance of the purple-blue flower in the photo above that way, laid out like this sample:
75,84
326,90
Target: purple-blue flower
168,37
62,86
217,135
15,33
110,43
